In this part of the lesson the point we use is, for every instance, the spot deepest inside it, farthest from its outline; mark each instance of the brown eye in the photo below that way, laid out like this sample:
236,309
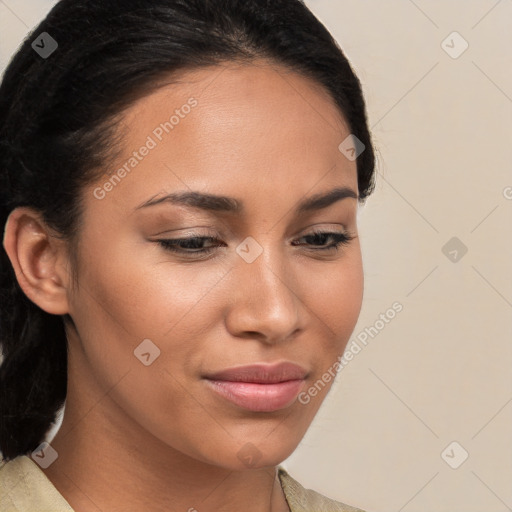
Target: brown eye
188,245
318,238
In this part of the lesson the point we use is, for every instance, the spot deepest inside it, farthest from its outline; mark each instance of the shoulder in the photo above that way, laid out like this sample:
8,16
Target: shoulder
306,500
24,488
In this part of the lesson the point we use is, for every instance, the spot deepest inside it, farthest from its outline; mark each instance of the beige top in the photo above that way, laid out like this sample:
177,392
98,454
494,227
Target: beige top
24,487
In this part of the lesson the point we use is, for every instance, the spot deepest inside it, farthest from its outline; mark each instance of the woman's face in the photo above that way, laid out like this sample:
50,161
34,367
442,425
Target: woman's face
153,324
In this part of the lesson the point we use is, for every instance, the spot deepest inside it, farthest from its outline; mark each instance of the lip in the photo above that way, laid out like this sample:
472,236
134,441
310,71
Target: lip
261,373
259,387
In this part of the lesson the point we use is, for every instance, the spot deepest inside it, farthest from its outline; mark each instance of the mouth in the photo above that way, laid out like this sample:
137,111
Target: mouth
259,387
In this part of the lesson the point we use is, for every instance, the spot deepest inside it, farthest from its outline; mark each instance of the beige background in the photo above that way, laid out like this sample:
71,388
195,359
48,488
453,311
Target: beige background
440,371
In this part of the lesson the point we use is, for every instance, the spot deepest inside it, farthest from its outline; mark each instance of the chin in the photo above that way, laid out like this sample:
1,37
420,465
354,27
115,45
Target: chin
258,452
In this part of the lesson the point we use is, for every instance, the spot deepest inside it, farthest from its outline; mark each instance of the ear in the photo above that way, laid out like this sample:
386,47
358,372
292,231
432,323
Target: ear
39,260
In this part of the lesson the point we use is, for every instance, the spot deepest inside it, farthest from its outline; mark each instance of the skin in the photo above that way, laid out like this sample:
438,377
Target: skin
268,137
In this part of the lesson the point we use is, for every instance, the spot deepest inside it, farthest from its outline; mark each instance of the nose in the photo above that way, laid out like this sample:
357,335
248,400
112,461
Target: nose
265,302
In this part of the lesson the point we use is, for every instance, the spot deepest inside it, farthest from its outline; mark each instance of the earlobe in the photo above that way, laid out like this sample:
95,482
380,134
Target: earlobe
36,257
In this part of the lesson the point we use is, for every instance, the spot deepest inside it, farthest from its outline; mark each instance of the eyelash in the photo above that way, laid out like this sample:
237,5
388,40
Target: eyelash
171,244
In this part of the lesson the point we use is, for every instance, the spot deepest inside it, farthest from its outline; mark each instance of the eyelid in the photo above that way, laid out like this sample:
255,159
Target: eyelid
322,227
214,233
226,232
190,232
223,230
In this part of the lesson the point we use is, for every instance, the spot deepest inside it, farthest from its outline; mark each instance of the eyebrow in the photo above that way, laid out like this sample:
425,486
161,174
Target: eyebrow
216,203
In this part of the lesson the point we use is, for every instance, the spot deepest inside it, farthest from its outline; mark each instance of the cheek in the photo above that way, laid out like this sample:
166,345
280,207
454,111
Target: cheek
126,300
148,296
335,297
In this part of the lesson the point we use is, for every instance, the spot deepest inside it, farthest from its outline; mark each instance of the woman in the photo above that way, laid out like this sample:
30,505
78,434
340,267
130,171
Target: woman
180,185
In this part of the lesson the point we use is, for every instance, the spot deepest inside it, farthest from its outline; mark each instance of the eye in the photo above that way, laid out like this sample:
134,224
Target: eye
189,245
319,238
195,245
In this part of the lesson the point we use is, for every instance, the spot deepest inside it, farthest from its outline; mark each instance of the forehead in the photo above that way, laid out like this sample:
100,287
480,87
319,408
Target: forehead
257,85
231,129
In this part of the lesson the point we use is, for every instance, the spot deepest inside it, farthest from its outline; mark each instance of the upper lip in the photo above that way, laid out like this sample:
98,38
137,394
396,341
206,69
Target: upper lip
261,373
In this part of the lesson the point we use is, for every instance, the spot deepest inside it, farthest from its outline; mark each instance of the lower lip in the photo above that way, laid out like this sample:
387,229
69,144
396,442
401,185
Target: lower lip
258,397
